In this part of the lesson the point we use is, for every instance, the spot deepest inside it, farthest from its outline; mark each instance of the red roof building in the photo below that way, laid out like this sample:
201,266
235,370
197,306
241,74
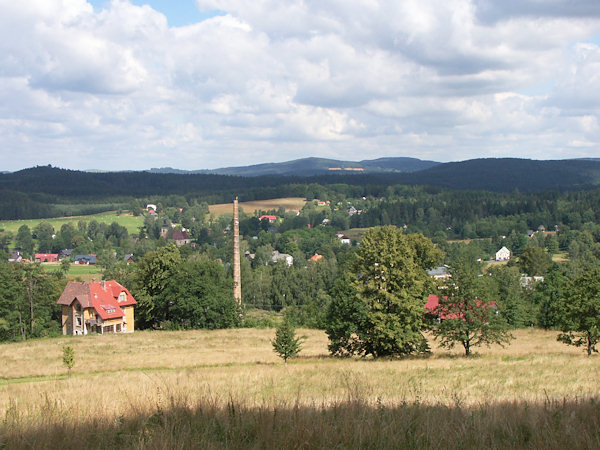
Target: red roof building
271,218
181,238
46,257
315,257
97,307
452,310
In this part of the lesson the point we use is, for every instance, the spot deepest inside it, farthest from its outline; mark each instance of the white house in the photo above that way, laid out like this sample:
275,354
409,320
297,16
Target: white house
344,239
503,254
276,257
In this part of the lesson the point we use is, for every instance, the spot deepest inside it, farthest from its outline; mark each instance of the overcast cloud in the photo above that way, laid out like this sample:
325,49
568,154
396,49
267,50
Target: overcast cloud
118,88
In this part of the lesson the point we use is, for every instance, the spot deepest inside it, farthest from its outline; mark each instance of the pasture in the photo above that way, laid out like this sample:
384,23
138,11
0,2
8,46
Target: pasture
259,205
132,223
227,389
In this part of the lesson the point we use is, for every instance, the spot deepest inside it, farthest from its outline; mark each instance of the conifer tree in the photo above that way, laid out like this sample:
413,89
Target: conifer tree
68,358
286,344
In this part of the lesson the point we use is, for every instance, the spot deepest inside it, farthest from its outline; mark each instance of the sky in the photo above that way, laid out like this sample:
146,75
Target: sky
135,84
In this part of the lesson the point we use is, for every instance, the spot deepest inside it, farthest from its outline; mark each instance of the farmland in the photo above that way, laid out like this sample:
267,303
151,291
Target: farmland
259,205
132,223
227,388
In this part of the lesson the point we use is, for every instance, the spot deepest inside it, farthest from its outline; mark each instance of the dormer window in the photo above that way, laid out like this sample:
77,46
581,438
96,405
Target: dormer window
122,297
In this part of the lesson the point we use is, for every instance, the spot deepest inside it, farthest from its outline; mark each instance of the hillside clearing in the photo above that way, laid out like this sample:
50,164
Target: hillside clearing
259,205
132,223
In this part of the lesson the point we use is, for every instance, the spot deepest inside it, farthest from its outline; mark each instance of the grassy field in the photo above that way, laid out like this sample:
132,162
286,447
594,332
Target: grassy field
127,220
227,389
77,272
560,257
264,205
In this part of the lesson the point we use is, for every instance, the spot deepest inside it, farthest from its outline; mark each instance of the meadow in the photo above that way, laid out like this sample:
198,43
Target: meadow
132,223
259,205
227,389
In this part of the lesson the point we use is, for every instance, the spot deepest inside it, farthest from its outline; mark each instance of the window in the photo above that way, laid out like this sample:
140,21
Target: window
122,297
79,321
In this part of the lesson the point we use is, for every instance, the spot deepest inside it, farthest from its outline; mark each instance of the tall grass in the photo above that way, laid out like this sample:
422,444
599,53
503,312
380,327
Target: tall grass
227,389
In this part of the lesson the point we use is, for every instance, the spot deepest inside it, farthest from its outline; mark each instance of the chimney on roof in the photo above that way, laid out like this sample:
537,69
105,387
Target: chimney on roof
103,284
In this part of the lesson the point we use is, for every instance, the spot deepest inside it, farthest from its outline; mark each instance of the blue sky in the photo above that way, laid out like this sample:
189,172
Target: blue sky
134,84
177,12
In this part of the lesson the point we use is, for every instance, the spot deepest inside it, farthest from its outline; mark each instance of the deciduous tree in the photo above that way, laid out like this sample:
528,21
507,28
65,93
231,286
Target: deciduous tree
579,317
391,283
467,312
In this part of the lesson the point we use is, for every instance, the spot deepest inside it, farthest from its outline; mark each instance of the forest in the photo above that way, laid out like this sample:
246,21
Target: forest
554,235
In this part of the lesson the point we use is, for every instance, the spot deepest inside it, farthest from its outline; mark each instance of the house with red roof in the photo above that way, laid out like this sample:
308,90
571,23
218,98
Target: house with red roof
316,257
46,257
269,217
453,310
96,307
181,237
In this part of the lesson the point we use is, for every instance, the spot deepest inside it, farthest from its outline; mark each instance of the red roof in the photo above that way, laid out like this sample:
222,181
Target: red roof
180,235
103,296
315,257
447,311
48,257
267,216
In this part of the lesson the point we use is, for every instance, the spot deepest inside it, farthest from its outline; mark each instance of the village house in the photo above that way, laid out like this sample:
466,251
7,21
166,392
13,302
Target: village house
46,257
180,237
65,253
85,259
503,254
344,239
443,312
15,257
316,257
271,218
439,273
276,257
96,307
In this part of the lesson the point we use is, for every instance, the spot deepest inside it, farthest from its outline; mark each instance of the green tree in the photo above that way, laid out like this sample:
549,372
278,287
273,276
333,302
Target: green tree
391,283
65,265
512,302
286,344
346,316
579,317
199,294
24,241
467,314
43,232
152,276
68,358
534,261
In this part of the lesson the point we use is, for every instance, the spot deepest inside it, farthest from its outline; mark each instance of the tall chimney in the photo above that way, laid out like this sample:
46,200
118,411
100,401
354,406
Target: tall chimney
237,274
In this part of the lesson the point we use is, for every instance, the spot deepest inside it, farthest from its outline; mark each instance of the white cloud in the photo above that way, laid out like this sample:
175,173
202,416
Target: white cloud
271,81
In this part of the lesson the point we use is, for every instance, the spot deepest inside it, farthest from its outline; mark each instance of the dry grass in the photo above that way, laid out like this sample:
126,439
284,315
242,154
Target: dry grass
264,205
560,257
227,388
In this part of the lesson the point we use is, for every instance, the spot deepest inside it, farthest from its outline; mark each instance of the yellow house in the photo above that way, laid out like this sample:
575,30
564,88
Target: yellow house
97,307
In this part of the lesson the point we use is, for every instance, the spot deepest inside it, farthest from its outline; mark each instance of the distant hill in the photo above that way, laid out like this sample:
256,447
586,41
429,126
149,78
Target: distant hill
315,166
499,175
508,174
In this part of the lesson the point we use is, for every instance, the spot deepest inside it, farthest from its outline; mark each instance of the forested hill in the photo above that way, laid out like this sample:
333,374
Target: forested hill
508,174
499,175
316,166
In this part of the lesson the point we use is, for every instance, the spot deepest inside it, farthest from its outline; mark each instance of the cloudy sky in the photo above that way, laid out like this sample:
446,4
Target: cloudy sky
134,84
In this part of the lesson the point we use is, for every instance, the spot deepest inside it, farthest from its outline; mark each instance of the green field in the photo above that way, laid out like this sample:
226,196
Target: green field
129,221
